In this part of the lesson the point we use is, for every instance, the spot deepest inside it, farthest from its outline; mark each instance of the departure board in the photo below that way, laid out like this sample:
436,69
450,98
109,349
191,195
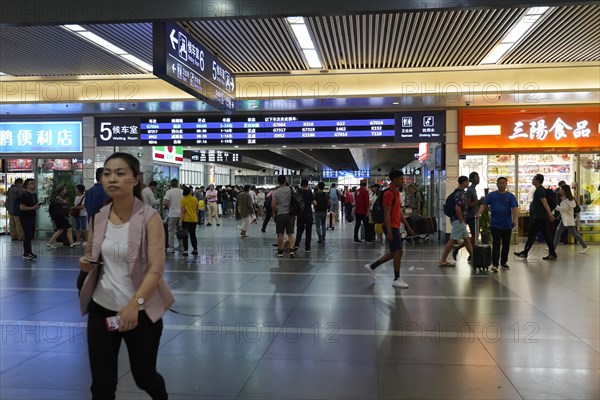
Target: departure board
279,129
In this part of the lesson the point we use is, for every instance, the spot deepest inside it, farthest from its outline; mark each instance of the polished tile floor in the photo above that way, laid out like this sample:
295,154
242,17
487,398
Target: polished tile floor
317,327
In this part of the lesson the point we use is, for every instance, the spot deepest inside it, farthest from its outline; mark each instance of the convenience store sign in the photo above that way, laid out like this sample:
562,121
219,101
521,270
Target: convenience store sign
535,131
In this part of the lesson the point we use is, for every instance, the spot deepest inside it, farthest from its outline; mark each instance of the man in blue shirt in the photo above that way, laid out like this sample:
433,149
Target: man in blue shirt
505,213
95,197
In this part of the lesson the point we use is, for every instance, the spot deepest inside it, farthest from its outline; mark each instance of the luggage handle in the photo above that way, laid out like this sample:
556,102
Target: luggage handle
476,233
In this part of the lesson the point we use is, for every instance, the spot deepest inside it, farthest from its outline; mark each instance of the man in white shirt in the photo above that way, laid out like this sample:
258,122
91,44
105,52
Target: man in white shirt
252,194
148,194
172,201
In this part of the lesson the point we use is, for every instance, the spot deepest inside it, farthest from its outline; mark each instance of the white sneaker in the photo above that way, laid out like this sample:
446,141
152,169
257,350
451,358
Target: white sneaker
399,283
372,272
494,269
585,250
170,250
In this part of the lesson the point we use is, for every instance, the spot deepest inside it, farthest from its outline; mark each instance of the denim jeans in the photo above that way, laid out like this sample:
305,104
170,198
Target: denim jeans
320,223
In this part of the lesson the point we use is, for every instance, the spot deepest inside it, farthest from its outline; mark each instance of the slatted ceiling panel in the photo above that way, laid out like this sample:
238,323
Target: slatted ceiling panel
566,34
53,51
410,40
134,38
251,45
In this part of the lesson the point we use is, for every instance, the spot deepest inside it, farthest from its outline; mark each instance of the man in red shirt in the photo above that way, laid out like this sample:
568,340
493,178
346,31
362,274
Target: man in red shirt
392,212
361,208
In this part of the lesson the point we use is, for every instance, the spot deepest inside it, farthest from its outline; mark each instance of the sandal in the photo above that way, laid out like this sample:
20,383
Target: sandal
446,264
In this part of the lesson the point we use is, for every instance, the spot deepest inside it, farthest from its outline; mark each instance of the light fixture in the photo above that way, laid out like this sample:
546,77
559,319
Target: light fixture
300,31
284,146
517,32
108,46
236,146
396,102
121,108
3,74
384,145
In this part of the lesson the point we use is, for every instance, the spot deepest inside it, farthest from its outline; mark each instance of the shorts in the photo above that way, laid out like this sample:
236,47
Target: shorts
396,243
62,223
284,222
81,223
459,231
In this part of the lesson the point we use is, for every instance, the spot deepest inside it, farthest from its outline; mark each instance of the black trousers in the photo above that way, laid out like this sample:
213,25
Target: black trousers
500,238
190,227
304,222
142,345
28,232
268,213
536,226
360,219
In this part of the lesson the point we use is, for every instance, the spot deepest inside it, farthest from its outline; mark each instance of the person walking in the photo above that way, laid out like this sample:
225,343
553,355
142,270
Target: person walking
304,221
172,201
504,217
212,196
393,217
125,263
80,214
188,220
567,218
539,214
284,222
28,206
321,206
268,210
13,194
361,200
60,217
260,203
334,199
459,229
378,228
95,197
245,207
148,194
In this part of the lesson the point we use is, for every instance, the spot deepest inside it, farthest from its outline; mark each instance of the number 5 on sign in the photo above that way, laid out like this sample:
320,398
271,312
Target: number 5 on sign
105,127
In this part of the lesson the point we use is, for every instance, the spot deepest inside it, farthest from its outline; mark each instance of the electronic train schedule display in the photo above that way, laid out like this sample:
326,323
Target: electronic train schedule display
279,129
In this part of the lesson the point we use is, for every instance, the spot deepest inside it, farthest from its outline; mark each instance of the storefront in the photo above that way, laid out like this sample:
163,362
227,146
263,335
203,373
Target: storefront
49,152
563,144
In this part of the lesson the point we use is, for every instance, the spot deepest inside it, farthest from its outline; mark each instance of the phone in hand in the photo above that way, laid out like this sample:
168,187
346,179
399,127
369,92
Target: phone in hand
112,323
94,262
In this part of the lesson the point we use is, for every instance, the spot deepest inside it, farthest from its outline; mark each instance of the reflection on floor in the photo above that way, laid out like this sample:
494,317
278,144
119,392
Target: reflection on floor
317,327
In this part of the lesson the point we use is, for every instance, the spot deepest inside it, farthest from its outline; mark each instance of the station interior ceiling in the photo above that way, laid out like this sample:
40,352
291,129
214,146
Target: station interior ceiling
364,47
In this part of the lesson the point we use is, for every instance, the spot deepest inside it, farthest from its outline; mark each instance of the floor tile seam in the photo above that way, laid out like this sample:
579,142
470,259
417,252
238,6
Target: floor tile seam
271,344
298,294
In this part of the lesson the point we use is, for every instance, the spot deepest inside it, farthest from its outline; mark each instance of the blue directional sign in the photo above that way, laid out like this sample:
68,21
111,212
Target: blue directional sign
180,60
41,137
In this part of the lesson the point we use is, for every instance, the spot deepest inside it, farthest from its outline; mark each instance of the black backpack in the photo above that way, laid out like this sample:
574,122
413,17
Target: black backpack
296,203
450,205
322,200
551,198
377,214
55,209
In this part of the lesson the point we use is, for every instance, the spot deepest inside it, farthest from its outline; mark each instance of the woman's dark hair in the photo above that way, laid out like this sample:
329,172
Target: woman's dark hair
186,190
567,191
27,181
81,188
134,165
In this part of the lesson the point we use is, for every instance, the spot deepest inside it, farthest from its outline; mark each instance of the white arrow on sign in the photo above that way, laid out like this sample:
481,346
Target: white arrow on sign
174,68
174,40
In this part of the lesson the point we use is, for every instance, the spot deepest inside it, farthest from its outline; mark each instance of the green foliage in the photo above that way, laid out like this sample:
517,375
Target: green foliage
485,222
50,184
164,183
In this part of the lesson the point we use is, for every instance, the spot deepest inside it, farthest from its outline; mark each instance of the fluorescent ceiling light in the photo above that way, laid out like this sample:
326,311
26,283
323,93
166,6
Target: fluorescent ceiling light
2,74
301,32
304,39
537,10
517,32
108,46
133,59
497,53
75,28
102,42
312,58
520,29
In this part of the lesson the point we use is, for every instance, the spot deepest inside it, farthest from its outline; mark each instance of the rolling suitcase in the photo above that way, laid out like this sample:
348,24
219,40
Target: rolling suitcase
482,253
330,220
369,231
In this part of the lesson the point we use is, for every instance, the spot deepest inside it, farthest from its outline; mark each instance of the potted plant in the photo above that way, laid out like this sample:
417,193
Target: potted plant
485,227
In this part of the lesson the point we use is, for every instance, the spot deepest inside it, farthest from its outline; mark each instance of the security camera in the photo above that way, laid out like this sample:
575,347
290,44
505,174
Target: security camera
467,103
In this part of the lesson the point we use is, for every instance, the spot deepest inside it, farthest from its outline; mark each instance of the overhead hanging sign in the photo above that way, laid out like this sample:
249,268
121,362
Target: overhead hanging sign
41,137
215,156
523,131
420,126
168,154
182,61
117,131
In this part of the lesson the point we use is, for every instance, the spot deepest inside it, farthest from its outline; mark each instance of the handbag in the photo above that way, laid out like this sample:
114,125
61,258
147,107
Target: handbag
181,233
76,211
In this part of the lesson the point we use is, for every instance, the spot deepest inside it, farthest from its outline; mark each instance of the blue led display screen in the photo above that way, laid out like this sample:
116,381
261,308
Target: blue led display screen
301,129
